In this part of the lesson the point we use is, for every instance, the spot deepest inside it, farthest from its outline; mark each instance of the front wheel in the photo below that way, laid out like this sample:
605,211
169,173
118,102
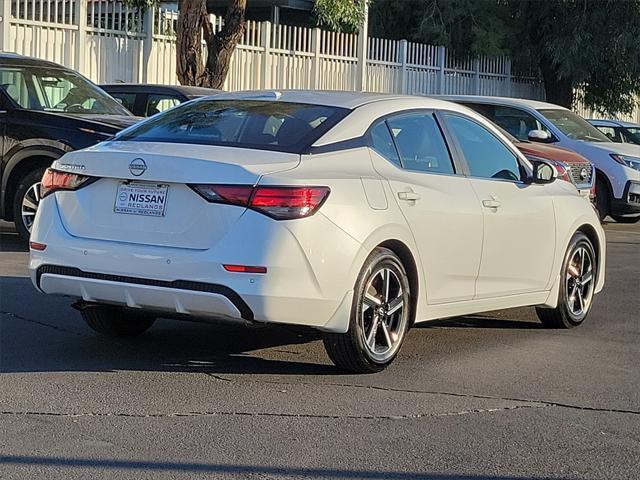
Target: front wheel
577,285
380,316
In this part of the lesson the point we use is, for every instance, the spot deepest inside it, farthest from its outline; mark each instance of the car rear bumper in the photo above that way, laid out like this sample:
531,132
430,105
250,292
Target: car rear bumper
179,296
298,288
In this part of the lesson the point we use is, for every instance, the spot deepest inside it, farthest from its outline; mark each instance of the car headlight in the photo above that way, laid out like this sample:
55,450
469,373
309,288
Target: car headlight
626,160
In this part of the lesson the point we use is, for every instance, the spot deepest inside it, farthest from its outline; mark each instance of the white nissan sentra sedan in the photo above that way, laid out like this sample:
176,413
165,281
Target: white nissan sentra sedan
356,214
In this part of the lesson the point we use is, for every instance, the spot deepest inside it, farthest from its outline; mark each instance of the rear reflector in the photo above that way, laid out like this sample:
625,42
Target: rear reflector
280,203
37,246
244,269
54,180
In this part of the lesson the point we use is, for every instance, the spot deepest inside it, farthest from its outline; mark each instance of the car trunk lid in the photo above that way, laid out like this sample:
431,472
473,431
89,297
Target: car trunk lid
161,173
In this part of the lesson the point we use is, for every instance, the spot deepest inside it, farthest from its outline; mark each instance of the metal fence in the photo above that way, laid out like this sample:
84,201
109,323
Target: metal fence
109,42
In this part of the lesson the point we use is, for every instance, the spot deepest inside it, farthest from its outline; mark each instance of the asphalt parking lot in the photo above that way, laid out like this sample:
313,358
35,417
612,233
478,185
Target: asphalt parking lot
491,396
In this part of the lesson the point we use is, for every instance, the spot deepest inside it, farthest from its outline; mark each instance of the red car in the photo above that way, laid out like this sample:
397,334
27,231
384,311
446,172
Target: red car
571,166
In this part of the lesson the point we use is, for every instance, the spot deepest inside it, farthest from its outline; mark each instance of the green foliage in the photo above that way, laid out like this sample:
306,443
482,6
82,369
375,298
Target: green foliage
467,27
340,15
591,46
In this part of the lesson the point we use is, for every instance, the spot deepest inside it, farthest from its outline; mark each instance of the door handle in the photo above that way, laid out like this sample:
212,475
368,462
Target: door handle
408,196
492,203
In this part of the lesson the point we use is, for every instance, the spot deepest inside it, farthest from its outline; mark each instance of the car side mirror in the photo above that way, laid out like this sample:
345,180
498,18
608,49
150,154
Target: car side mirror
543,173
541,136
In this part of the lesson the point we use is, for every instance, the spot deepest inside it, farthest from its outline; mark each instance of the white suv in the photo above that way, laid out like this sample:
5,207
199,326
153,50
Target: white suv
356,214
617,164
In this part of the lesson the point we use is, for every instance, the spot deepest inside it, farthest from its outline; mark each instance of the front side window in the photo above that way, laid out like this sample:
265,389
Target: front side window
515,121
611,132
632,135
420,143
270,125
56,90
573,126
486,156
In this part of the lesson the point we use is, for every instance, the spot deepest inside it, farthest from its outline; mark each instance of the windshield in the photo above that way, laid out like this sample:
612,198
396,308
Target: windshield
574,126
56,90
241,123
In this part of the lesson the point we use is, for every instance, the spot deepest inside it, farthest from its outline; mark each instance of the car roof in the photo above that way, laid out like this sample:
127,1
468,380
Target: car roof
504,101
612,123
186,90
333,98
13,59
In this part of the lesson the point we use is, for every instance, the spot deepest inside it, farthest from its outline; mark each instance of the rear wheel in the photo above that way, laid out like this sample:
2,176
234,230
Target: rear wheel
577,284
26,201
379,316
116,321
621,219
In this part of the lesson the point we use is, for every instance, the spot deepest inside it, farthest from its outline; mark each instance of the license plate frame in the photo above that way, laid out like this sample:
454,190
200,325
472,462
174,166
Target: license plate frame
153,202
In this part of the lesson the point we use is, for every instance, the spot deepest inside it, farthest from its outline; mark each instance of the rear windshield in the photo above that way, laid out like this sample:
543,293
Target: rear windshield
267,125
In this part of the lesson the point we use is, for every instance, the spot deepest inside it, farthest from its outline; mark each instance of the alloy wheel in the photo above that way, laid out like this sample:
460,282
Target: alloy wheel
30,203
383,314
579,281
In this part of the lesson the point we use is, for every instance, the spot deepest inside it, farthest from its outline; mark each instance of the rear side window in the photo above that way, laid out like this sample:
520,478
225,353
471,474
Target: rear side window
127,100
382,143
269,125
420,143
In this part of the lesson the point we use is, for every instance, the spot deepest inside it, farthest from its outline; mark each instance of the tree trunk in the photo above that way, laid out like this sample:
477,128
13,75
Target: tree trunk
558,90
220,47
191,19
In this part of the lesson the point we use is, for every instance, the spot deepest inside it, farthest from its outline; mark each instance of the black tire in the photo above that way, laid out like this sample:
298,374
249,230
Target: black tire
562,316
349,350
603,198
115,321
621,219
26,183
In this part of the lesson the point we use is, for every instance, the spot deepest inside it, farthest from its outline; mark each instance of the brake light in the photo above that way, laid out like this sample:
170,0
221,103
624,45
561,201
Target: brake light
53,180
280,203
283,203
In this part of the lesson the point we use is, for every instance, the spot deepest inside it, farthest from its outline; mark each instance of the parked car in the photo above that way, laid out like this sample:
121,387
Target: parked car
571,167
618,131
46,111
146,100
356,214
617,164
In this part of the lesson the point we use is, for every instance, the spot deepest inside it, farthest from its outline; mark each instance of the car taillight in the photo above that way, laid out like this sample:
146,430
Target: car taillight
53,180
280,203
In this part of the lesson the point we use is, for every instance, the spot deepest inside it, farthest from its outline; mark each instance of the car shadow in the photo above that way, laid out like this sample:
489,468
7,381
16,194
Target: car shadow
242,471
11,242
486,321
40,333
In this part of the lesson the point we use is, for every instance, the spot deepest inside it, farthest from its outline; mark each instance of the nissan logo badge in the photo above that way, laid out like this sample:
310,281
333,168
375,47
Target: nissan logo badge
137,167
584,174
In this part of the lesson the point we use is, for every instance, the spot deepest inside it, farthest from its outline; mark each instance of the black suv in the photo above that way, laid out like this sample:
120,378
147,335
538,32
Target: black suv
46,110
